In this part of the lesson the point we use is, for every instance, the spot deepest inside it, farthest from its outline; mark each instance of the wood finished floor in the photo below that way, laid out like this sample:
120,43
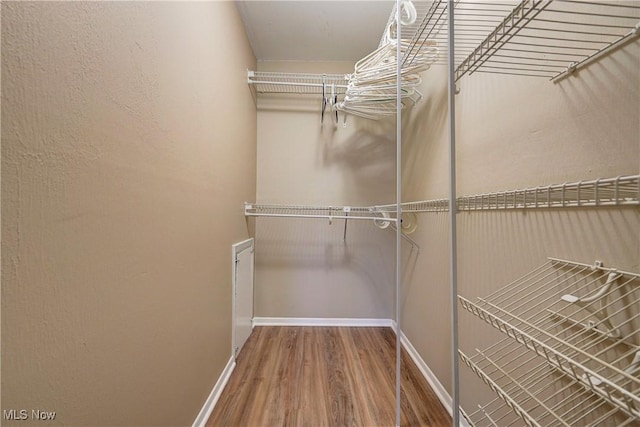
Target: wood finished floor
324,376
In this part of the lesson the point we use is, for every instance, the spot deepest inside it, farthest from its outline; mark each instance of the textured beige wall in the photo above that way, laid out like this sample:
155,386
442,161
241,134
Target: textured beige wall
515,132
304,268
128,148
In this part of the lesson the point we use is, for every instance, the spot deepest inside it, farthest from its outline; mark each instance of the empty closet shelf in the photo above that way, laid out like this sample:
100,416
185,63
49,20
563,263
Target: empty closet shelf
437,205
531,390
601,192
618,191
301,83
582,320
326,212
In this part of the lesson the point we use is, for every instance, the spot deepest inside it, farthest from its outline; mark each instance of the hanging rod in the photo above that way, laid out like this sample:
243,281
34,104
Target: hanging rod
602,192
325,212
381,217
579,320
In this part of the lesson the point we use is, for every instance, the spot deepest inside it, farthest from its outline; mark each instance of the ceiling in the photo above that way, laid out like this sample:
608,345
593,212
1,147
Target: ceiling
314,30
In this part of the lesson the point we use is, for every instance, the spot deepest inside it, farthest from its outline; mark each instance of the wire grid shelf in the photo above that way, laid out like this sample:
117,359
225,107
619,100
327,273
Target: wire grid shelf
579,320
436,205
326,212
540,38
532,392
602,192
299,83
619,191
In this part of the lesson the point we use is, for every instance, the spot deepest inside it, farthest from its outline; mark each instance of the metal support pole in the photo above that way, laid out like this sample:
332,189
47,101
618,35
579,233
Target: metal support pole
398,209
453,262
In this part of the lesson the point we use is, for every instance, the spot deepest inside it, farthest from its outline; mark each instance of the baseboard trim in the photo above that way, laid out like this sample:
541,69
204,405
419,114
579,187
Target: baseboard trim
211,401
319,321
436,385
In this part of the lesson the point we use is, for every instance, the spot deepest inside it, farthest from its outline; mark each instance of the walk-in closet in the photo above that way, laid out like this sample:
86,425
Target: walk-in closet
321,213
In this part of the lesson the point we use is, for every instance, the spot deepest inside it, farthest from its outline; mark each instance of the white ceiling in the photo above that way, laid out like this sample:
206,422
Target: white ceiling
314,30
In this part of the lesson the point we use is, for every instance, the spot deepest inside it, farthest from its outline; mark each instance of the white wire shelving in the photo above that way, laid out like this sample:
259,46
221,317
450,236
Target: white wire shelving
618,191
370,91
382,217
533,394
298,83
571,355
324,212
540,38
602,192
436,205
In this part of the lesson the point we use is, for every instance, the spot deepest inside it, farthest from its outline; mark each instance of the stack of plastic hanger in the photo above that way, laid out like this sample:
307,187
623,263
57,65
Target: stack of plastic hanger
372,88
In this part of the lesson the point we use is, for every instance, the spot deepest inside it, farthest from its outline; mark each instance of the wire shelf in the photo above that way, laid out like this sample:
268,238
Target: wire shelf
533,393
580,320
619,191
602,192
299,83
437,205
540,38
326,212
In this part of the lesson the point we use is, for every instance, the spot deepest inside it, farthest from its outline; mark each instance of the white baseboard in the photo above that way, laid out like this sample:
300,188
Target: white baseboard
314,321
436,385
211,401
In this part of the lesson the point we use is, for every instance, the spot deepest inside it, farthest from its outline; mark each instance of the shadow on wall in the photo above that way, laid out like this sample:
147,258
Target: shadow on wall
303,243
363,151
410,256
423,133
366,155
315,244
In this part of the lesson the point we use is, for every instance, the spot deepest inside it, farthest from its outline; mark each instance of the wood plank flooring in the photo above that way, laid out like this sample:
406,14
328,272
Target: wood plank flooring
324,376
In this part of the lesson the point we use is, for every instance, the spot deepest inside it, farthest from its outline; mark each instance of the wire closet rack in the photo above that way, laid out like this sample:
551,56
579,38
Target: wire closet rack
382,216
571,355
601,192
540,38
326,212
298,83
618,191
